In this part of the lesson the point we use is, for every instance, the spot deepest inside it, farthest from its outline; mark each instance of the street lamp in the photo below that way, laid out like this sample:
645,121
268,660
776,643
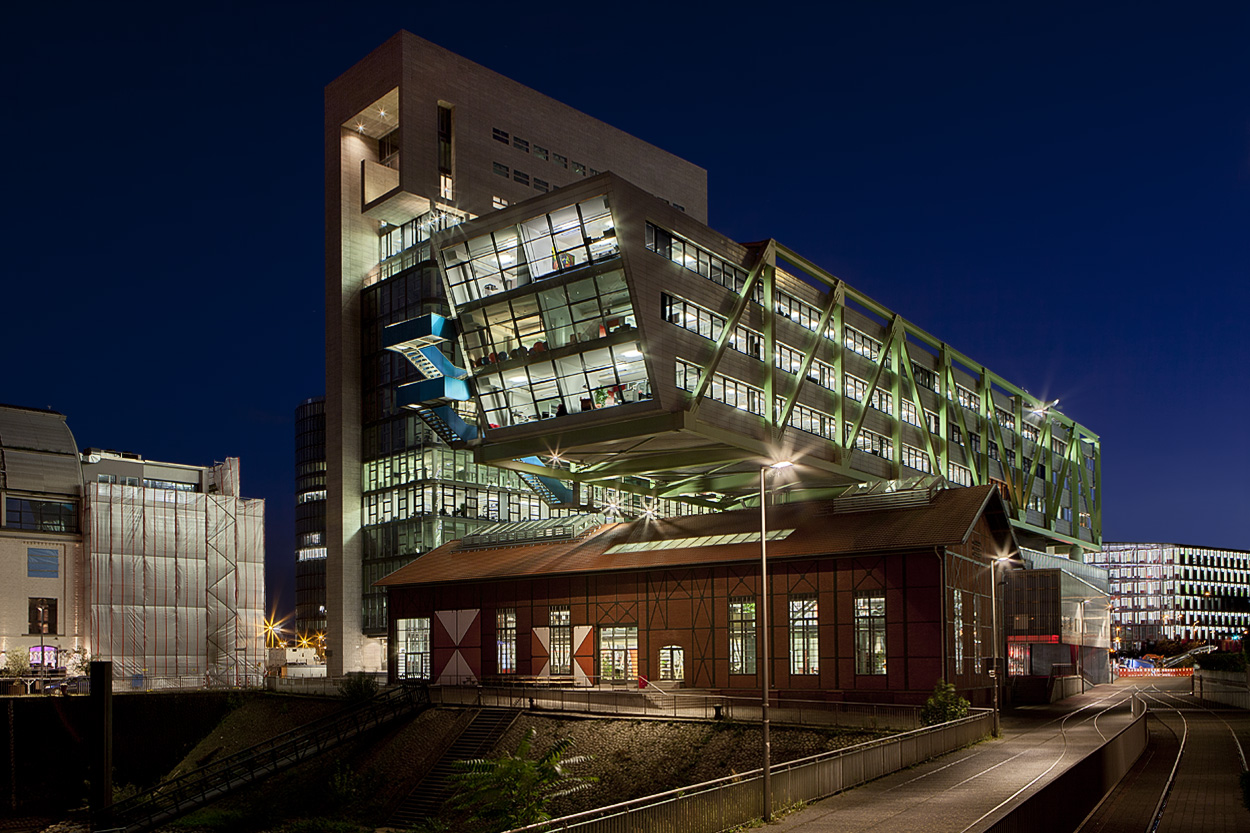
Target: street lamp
768,786
997,671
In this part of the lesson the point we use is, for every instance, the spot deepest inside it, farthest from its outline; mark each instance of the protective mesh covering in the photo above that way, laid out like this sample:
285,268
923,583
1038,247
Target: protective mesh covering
176,584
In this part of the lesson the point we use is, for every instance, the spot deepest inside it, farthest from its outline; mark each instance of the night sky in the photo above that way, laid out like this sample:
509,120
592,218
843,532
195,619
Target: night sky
1062,193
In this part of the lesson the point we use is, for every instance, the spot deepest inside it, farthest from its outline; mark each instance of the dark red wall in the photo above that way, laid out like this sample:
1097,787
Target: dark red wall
689,607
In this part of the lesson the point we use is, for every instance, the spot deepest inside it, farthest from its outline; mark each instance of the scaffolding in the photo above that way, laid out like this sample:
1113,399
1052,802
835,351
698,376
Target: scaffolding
176,582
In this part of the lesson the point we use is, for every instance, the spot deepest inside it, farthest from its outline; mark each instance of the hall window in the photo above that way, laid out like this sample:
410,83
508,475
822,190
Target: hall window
804,636
870,633
672,663
413,639
505,639
42,616
742,635
561,662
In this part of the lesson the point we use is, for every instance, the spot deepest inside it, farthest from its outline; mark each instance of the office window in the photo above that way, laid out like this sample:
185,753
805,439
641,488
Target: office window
862,343
958,474
520,144
521,177
916,458
42,562
541,185
925,377
444,141
498,203
804,637
870,633
562,161
499,135
561,660
413,639
501,170
505,639
742,635
445,187
42,616
579,168
540,152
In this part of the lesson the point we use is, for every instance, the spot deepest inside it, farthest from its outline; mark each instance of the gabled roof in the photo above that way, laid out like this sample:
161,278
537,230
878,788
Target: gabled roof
804,530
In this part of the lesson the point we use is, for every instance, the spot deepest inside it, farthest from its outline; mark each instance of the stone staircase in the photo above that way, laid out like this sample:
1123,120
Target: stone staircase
478,738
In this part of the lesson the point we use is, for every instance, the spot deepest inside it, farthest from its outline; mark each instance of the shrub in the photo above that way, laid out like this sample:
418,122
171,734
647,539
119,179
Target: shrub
1221,661
513,791
358,687
16,663
943,705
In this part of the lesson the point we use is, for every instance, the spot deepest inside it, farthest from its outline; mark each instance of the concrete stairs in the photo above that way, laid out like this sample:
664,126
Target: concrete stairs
477,739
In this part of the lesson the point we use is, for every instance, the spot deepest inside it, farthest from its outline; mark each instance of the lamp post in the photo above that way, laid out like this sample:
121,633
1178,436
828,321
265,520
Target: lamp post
768,785
997,672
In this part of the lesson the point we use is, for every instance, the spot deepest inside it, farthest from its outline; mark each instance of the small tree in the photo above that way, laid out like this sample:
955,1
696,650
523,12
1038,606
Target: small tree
16,663
943,705
515,790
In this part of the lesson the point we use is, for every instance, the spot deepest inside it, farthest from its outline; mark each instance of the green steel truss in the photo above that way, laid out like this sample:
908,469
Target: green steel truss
680,456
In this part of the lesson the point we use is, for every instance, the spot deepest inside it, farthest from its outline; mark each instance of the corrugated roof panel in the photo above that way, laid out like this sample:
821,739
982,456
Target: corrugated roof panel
36,431
34,472
947,520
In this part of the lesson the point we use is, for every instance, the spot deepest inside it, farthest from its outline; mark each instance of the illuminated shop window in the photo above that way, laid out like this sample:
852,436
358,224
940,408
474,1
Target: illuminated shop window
566,239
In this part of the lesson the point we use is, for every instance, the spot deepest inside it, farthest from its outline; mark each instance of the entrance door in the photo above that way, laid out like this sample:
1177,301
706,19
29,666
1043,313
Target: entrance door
618,653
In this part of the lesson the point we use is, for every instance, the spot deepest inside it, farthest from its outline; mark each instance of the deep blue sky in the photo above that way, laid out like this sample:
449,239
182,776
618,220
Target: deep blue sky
1061,192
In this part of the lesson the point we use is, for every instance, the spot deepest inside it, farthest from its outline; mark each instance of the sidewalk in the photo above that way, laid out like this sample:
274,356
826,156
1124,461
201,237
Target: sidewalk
965,791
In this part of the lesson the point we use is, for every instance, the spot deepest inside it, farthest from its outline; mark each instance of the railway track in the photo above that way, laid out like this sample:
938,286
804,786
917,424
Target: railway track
1187,780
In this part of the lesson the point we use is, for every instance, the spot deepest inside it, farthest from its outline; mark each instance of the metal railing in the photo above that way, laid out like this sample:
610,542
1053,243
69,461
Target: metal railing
182,794
678,705
713,806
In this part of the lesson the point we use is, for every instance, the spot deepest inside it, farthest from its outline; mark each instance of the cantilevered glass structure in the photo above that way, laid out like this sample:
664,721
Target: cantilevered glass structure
607,343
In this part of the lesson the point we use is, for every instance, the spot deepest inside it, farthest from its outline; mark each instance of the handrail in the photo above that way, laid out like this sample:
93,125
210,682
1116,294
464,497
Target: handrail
717,783
199,785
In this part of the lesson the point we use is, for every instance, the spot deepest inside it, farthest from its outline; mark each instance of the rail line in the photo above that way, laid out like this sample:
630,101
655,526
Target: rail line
1171,711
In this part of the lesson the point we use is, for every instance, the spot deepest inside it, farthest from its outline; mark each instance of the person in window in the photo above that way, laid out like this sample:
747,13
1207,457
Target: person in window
561,410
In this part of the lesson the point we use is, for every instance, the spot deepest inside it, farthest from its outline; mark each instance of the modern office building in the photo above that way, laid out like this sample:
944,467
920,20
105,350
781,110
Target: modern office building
310,517
419,139
157,567
1176,591
513,282
42,587
870,598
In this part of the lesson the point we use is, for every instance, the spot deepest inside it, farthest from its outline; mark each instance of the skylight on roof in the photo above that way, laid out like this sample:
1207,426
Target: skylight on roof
700,541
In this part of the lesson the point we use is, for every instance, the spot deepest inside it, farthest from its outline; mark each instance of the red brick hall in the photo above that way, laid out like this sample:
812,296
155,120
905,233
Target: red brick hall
871,598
